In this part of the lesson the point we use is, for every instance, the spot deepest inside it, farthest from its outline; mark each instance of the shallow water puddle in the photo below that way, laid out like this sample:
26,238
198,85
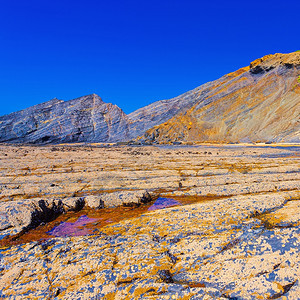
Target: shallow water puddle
164,203
85,225
90,221
76,228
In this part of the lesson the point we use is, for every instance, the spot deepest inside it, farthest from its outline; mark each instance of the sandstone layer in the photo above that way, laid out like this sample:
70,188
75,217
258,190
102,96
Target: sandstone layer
236,237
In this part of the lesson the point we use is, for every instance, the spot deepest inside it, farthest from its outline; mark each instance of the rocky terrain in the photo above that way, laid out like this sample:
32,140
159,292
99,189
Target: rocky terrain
86,218
86,118
258,103
232,234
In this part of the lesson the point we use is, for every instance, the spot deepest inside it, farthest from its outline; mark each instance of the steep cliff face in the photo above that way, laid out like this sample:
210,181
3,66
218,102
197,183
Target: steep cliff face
86,118
259,103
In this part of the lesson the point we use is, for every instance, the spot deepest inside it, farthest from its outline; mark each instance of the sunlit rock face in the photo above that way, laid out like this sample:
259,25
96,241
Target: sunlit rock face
83,119
259,103
161,111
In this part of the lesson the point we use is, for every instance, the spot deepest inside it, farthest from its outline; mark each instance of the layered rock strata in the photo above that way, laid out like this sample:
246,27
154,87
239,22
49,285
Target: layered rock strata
258,103
230,248
39,183
244,245
83,119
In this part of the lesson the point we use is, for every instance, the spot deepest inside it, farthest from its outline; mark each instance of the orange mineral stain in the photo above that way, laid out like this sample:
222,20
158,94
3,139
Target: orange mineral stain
101,218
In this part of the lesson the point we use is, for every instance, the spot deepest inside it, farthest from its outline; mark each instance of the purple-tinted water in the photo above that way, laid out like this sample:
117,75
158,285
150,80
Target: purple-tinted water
78,227
73,229
163,203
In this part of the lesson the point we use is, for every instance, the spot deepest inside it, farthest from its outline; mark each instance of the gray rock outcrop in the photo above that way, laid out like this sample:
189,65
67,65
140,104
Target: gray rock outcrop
85,119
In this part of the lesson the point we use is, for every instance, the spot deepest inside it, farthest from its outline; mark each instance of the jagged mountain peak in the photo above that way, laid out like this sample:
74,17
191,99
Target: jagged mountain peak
89,97
271,61
83,119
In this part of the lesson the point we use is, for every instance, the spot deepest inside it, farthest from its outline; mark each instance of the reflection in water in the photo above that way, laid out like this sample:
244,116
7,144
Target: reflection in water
90,221
79,227
73,229
163,203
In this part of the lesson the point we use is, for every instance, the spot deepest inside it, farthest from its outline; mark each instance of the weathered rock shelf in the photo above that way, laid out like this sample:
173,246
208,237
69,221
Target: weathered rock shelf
242,242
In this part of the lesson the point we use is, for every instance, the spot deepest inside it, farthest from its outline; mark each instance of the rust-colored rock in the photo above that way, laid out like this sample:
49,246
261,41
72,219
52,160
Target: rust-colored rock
260,103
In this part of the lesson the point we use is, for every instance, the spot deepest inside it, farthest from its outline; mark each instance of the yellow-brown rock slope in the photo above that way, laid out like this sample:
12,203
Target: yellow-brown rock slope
258,103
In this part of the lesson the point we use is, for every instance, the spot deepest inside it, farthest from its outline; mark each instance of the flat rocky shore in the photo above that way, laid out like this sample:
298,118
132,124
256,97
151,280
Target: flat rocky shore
231,232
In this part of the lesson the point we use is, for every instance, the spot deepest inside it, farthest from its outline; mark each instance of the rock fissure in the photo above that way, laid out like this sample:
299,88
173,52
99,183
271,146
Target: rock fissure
257,214
275,267
172,257
285,288
44,246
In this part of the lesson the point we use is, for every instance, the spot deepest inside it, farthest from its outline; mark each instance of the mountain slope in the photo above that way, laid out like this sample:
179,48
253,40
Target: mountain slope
257,103
83,119
160,111
260,102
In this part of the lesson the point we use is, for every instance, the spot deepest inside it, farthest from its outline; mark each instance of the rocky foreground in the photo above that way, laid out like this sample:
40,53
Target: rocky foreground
237,236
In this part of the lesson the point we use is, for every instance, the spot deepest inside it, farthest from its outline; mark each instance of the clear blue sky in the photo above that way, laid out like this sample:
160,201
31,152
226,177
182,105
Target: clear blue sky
132,53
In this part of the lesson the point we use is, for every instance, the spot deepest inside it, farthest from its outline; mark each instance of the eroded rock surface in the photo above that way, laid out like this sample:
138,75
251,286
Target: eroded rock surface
202,251
242,244
83,119
259,103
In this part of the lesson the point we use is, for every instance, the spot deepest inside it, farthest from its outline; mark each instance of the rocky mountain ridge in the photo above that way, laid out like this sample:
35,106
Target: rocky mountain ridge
258,103
83,119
